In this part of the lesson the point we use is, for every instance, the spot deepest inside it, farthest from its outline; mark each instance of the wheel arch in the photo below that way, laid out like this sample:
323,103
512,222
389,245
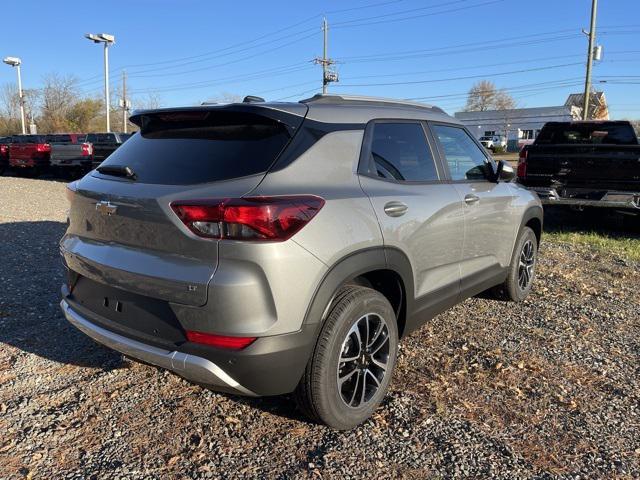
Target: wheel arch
384,269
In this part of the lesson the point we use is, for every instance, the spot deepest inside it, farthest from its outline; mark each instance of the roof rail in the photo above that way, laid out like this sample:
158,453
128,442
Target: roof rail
361,99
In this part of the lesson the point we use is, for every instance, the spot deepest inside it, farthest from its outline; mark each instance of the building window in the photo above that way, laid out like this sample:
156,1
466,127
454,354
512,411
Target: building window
526,134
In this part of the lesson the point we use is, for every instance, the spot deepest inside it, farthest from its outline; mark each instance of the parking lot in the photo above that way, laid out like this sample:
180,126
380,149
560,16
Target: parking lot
549,387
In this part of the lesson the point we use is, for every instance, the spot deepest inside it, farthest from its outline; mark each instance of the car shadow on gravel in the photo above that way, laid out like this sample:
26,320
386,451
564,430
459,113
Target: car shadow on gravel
595,220
31,274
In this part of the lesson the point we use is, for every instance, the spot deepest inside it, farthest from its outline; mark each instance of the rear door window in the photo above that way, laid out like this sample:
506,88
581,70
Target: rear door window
400,151
199,147
465,159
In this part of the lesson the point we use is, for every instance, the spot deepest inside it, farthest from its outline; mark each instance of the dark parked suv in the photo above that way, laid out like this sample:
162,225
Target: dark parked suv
266,248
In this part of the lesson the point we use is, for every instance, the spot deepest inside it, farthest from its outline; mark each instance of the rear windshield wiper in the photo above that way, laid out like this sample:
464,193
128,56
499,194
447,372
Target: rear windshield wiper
117,171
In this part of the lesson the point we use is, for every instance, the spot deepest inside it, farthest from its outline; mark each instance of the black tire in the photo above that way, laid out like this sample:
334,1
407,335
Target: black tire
512,289
336,357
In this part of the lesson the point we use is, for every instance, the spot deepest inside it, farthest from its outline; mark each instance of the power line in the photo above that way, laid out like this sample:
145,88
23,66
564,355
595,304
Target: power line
468,77
413,17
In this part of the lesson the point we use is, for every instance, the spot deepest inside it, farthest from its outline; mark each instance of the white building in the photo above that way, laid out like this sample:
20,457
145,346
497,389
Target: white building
522,125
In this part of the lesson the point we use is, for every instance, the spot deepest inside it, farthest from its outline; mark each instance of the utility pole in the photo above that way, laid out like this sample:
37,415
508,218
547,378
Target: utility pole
328,75
125,102
592,37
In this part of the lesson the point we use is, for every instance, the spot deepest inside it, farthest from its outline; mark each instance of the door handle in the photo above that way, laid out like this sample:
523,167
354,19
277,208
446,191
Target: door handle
471,199
395,209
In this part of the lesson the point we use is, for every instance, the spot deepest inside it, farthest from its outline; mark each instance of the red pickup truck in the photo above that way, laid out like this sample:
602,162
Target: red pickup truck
34,151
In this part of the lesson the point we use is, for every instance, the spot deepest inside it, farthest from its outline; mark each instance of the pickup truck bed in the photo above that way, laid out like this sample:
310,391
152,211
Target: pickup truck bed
584,164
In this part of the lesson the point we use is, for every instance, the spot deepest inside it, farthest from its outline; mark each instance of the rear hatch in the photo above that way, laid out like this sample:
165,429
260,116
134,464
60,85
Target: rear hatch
591,155
122,230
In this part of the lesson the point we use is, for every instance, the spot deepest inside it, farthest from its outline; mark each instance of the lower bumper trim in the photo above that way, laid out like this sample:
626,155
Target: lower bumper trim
191,367
624,200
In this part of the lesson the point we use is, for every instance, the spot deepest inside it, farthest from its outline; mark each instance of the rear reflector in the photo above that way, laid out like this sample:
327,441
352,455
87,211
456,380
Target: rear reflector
252,218
220,341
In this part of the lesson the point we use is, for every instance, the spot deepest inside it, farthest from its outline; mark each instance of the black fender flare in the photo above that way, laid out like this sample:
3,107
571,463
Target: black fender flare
352,266
534,211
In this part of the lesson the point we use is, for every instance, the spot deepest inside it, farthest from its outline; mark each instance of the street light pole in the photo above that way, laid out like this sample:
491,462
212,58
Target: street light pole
21,97
106,83
16,62
107,39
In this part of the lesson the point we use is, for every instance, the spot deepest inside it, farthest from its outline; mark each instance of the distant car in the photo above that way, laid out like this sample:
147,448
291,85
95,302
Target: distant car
29,152
584,164
492,142
71,151
104,144
265,248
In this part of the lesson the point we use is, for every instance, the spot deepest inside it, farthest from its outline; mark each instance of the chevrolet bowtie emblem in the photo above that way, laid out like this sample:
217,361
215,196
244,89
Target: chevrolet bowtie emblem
106,208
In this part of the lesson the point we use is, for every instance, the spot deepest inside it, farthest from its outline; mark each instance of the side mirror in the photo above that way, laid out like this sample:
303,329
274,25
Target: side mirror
504,172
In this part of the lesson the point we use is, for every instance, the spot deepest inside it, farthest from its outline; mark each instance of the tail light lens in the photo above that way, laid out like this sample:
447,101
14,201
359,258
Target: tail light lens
522,163
87,149
252,218
220,341
43,147
4,149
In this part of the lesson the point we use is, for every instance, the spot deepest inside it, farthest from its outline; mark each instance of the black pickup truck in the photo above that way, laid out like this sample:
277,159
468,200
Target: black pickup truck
103,144
584,164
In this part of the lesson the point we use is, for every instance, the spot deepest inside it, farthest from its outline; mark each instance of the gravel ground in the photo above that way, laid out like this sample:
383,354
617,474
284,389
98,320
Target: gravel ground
544,389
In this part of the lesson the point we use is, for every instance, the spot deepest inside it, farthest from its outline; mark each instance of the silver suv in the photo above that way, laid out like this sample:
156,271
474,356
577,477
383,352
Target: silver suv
268,248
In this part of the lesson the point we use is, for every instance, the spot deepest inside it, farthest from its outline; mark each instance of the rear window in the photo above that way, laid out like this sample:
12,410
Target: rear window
30,139
101,138
587,134
59,139
200,147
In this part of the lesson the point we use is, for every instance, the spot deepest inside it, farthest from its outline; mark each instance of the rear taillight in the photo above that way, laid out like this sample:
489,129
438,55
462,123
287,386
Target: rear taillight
220,341
87,149
522,162
43,147
4,149
253,218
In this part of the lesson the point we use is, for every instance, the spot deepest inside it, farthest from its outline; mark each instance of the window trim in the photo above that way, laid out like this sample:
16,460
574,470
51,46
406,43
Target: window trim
365,167
443,158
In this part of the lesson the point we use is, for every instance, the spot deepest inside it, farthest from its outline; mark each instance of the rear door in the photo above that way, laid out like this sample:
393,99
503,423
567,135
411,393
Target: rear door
122,230
490,219
419,212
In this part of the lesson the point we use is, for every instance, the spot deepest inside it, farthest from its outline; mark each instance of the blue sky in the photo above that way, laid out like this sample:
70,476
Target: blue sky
183,52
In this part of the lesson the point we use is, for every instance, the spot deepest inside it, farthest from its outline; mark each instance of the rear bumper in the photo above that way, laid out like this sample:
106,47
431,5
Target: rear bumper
191,367
271,365
612,199
71,162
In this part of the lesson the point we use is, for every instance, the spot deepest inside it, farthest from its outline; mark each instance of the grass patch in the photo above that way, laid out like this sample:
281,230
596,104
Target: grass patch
627,247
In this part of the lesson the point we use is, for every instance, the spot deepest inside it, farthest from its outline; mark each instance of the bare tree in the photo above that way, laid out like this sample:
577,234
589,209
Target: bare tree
59,95
485,96
9,110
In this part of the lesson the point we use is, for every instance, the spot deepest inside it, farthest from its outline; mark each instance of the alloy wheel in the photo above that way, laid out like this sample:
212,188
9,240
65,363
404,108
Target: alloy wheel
526,265
364,360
